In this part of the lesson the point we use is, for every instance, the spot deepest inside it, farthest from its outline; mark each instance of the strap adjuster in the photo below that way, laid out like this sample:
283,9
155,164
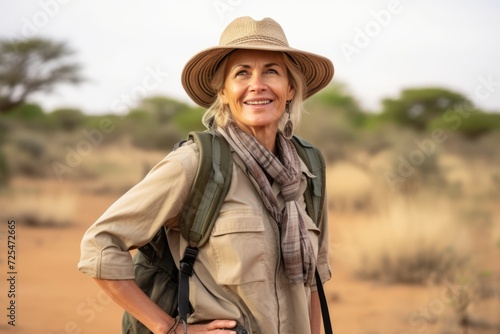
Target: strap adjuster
187,262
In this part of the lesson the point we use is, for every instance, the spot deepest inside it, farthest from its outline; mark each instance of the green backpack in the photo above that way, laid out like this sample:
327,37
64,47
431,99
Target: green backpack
155,270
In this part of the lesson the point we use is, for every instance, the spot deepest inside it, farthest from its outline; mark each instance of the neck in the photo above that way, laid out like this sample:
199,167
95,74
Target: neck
266,136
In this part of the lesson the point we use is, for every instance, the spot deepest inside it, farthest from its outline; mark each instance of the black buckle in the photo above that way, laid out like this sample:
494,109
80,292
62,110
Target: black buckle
187,262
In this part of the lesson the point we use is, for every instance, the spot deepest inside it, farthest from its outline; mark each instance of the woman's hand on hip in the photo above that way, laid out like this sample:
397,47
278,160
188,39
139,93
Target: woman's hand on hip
213,327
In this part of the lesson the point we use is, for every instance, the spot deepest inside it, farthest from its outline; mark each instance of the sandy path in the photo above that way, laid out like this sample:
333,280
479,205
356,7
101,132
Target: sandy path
53,297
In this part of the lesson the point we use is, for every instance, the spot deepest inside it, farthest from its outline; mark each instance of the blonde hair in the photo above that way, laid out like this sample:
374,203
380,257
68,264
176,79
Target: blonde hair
219,115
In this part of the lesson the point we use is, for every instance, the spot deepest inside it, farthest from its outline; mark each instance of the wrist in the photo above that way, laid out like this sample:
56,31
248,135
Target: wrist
168,326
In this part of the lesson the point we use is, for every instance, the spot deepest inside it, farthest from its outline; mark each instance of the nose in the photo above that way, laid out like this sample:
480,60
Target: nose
257,83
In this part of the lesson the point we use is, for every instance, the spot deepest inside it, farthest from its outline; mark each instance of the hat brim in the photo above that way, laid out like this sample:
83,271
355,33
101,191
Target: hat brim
317,70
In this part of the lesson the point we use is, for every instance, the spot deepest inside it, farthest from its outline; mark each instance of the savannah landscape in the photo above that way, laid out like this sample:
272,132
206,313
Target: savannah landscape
414,214
413,185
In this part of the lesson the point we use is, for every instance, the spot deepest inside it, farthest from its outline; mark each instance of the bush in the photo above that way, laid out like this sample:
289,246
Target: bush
156,137
28,154
29,116
189,120
472,124
27,112
67,119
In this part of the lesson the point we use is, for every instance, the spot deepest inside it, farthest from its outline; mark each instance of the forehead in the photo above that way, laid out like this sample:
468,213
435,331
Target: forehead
249,57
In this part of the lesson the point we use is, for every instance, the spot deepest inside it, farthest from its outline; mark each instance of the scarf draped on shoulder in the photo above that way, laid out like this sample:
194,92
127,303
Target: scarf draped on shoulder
296,247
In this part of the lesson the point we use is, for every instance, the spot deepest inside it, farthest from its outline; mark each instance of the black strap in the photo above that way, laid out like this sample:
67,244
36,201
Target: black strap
186,270
327,324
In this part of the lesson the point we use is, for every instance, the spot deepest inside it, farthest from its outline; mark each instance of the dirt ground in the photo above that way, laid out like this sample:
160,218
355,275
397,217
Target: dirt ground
52,297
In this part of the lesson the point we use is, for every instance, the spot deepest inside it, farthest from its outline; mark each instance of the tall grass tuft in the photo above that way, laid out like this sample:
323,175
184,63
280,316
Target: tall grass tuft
413,240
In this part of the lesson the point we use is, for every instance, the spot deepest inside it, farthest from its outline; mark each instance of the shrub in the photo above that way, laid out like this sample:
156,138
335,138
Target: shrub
472,124
189,120
26,153
67,119
156,137
27,112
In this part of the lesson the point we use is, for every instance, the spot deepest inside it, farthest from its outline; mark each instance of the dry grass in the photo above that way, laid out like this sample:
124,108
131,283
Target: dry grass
495,235
381,235
37,208
51,202
117,168
349,188
411,240
417,237
423,235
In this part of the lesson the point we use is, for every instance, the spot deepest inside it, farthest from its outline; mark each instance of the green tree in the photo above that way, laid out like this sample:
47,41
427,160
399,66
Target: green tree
33,65
417,107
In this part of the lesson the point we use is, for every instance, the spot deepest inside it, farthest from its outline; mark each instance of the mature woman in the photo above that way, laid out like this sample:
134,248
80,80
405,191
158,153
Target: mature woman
253,85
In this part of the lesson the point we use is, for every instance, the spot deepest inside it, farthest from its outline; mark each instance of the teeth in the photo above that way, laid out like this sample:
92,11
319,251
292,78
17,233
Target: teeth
258,102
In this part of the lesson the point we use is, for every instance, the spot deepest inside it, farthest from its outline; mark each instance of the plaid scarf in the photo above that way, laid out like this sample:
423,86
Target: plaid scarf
296,247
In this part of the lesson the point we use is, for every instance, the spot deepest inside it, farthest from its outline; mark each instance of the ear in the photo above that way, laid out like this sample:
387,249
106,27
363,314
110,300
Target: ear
223,97
290,93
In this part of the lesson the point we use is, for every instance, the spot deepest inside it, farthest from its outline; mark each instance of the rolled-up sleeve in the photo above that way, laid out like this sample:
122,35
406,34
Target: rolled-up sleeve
133,220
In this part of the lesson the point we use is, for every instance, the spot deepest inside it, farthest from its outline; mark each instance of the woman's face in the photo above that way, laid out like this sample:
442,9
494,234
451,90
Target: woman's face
256,88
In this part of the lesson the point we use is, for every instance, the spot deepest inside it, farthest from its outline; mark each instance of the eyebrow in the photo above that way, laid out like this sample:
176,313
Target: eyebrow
248,66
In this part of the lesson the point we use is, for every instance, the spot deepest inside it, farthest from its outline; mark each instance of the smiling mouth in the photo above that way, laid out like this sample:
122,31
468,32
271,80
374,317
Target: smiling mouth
262,102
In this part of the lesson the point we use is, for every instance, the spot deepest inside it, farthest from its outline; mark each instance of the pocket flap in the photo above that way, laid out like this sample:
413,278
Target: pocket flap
238,222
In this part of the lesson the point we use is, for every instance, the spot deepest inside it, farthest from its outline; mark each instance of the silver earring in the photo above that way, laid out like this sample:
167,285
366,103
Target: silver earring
288,129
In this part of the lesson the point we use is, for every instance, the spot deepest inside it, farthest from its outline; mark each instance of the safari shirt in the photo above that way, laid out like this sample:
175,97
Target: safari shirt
238,273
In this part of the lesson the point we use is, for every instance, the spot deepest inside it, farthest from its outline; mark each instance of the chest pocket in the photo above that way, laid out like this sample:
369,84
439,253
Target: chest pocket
238,245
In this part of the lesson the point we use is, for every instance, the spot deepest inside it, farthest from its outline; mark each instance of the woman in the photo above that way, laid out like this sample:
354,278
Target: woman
258,266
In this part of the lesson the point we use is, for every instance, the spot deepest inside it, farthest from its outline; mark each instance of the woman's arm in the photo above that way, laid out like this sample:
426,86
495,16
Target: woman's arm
131,298
315,313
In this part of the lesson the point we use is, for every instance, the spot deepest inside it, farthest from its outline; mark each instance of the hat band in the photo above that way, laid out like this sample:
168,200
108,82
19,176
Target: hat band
257,40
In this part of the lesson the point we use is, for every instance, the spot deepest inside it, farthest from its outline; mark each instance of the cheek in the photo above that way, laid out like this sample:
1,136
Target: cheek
230,94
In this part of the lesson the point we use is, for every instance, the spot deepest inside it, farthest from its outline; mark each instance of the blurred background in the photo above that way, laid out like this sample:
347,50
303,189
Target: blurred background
91,99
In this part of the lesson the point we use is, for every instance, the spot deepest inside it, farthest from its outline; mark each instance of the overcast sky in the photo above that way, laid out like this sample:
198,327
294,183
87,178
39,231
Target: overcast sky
131,48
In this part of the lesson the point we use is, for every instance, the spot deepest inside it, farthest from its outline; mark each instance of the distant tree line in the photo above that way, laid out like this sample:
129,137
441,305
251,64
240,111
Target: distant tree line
335,118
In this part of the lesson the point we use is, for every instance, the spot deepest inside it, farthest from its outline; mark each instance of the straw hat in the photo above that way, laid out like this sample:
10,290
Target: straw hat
247,33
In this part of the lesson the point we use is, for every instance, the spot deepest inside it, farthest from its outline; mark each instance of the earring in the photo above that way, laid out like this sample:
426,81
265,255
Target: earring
288,129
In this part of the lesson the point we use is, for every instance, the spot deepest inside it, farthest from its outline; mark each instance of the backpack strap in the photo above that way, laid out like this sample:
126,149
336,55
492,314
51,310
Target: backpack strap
209,188
314,198
315,194
201,210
